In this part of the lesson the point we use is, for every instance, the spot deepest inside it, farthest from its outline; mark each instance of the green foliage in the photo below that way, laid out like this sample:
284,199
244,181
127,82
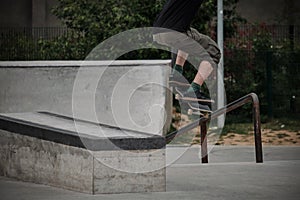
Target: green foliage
104,18
206,19
246,69
17,46
90,22
66,47
96,20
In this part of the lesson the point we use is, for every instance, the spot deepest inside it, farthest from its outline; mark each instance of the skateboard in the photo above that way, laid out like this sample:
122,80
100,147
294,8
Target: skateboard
179,96
198,109
194,105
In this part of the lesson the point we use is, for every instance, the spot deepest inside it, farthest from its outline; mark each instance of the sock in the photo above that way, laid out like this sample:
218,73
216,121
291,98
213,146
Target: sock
194,87
178,69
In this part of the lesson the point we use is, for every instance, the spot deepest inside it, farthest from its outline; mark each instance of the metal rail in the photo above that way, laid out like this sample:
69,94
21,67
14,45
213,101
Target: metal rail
202,121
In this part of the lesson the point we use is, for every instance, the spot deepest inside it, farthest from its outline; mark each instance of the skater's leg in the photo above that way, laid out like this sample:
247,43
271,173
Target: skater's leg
180,61
194,91
205,69
181,58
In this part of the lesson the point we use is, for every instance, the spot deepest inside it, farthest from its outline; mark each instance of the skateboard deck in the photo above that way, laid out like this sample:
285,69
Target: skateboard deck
179,96
194,108
174,83
198,109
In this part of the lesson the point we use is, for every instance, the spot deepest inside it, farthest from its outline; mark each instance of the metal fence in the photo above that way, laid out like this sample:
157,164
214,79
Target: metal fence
271,56
278,33
23,43
33,33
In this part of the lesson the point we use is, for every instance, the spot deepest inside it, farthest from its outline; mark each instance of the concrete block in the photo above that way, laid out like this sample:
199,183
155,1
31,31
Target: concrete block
127,171
46,148
39,161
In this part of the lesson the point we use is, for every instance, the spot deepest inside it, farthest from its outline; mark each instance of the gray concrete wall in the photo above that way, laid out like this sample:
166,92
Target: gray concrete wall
130,94
38,161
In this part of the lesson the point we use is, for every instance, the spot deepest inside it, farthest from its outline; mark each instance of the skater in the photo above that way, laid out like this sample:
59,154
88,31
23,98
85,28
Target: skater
175,19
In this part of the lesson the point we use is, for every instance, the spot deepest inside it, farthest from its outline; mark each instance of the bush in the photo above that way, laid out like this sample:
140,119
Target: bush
262,65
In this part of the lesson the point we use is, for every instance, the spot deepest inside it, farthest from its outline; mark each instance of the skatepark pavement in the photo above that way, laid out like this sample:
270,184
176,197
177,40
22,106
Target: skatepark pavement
230,174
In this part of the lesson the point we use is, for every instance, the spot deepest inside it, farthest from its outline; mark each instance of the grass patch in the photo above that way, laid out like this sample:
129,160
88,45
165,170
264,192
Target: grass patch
239,128
242,125
283,124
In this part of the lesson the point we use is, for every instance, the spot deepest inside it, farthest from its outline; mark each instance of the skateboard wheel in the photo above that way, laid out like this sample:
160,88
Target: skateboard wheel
177,96
206,115
190,112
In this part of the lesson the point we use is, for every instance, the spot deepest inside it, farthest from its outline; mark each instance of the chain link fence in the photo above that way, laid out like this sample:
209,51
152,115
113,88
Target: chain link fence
266,60
24,43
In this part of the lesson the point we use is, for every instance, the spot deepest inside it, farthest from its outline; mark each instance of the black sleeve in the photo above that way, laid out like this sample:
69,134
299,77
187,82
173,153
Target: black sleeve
178,14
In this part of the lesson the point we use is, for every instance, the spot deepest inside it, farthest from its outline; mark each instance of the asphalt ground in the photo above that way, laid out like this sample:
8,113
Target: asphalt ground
230,174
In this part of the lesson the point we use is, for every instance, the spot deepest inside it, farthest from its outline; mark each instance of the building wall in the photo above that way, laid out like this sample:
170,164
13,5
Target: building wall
27,13
15,13
41,14
284,12
37,13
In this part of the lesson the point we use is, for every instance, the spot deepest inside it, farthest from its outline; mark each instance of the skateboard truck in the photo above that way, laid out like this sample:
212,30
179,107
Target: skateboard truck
200,113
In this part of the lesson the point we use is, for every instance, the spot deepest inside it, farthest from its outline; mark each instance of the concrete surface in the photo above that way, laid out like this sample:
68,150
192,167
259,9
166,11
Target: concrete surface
78,133
128,94
231,174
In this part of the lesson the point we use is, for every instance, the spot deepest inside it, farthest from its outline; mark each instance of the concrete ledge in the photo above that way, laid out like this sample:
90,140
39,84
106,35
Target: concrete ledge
132,94
88,63
93,136
45,148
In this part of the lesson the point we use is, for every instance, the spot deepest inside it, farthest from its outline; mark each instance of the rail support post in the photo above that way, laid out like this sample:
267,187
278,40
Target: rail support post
204,151
257,129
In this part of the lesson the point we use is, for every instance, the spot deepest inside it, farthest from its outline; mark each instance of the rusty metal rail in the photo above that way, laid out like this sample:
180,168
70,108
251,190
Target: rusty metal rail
202,122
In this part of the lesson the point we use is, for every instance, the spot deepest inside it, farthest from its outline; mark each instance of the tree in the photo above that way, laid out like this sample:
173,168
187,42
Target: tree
90,22
96,20
206,19
100,19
